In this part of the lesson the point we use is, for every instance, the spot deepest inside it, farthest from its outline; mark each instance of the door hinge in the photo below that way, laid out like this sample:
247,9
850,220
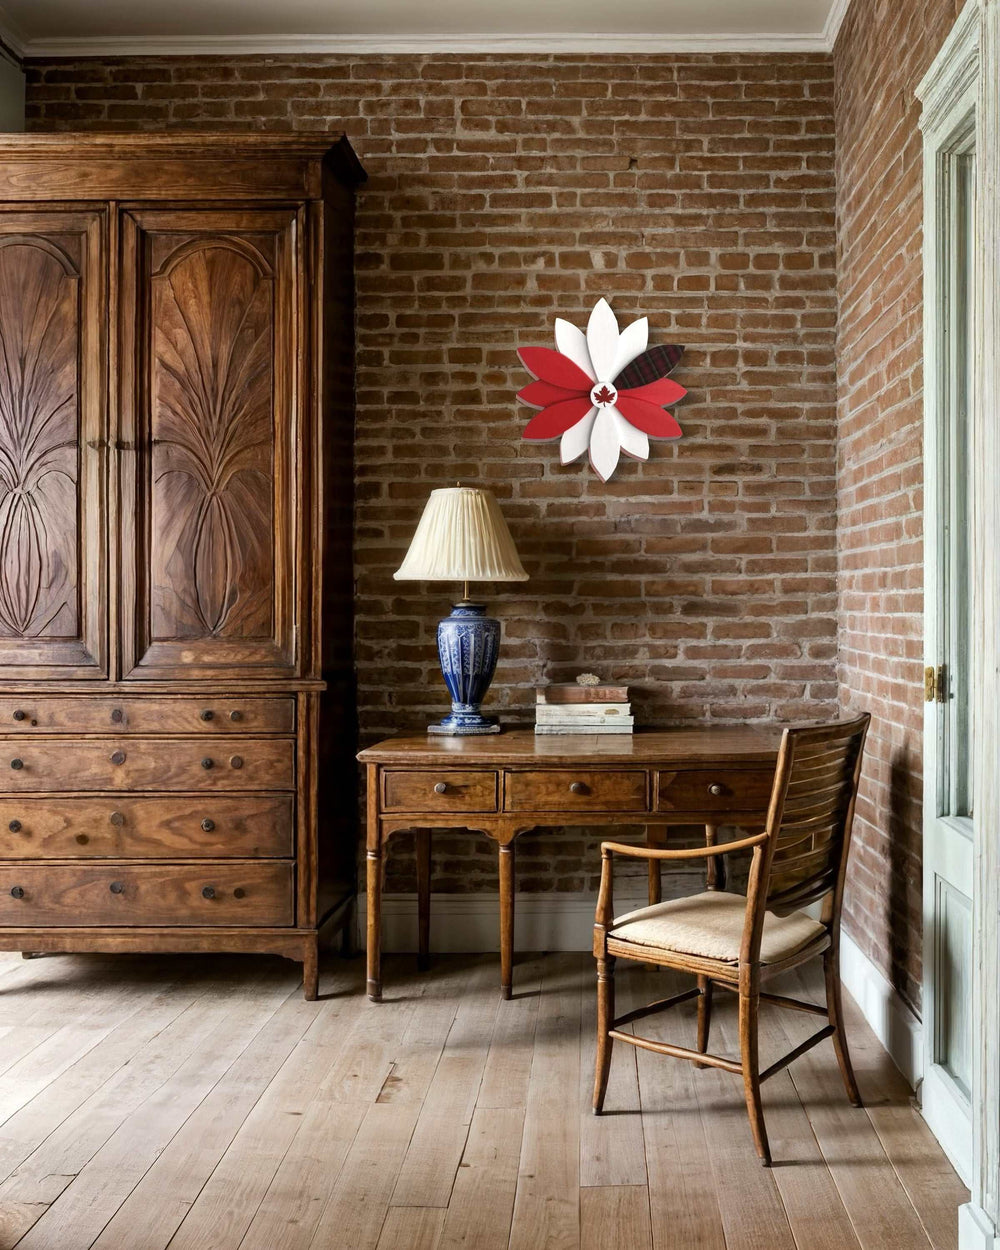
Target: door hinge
935,684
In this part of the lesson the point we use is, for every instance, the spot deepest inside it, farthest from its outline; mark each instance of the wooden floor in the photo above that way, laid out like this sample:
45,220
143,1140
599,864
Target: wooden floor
200,1103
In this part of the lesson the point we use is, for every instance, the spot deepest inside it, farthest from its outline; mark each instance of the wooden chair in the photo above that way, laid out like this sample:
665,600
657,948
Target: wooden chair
738,943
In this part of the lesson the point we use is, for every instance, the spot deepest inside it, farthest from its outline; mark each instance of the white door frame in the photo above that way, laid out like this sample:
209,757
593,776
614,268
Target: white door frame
979,1220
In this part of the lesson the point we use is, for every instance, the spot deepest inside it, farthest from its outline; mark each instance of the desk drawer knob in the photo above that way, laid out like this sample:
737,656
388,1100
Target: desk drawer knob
236,761
118,757
578,787
117,819
208,825
14,826
17,891
235,715
716,791
117,887
19,715
207,762
208,891
17,765
208,714
441,787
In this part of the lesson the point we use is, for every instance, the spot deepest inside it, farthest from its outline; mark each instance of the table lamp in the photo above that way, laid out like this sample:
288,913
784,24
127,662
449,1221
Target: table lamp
462,537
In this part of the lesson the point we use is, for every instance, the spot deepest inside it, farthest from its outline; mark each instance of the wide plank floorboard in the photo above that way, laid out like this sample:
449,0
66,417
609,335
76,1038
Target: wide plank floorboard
201,1104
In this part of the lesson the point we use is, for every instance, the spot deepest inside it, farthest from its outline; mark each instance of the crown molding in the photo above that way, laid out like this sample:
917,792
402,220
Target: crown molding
833,23
375,45
13,40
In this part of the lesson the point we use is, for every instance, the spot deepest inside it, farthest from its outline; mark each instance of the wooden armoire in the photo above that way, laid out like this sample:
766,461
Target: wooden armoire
176,587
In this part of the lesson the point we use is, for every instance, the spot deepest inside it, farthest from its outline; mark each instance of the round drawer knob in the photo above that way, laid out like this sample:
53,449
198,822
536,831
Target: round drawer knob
17,891
117,819
118,757
14,826
207,762
577,787
17,765
208,891
208,714
235,715
236,761
82,839
441,787
117,887
19,715
239,892
208,825
716,791
117,716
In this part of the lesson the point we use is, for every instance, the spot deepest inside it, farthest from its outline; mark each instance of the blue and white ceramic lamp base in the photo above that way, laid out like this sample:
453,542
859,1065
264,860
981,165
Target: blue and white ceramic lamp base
468,647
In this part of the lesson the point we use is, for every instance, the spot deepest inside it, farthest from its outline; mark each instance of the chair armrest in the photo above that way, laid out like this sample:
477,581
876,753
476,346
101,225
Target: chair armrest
691,852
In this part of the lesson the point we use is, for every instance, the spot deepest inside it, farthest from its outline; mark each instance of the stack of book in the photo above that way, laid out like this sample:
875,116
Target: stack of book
570,708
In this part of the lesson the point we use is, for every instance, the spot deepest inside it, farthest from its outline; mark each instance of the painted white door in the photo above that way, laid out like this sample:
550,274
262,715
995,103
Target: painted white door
948,610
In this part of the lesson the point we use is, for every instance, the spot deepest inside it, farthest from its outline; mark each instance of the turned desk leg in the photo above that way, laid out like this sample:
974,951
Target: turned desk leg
506,919
715,874
374,924
655,836
423,848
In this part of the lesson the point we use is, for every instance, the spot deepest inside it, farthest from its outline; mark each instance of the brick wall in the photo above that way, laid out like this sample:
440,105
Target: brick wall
505,191
883,50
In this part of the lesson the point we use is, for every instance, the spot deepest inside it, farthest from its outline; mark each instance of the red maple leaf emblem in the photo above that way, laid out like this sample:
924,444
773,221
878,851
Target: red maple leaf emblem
604,396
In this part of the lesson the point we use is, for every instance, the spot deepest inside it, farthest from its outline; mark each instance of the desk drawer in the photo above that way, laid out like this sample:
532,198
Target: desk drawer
176,827
441,790
226,893
714,789
32,764
576,790
107,714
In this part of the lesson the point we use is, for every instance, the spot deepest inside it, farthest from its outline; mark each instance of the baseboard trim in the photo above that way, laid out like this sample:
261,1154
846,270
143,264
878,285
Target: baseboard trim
888,1016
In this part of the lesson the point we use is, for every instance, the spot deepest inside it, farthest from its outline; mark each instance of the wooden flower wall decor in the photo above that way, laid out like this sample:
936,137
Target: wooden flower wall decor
603,392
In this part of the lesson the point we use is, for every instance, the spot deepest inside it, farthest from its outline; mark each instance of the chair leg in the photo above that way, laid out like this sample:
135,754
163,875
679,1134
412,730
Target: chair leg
704,1016
605,1023
835,1010
749,1012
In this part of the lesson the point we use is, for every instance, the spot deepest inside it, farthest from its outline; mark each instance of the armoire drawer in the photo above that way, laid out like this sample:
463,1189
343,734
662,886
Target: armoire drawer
105,713
172,827
226,892
38,765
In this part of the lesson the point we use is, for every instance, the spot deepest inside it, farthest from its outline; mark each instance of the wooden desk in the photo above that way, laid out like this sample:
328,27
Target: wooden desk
506,785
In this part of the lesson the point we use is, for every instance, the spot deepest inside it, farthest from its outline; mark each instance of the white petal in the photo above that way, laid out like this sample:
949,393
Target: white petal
634,442
602,340
631,343
575,441
605,447
571,342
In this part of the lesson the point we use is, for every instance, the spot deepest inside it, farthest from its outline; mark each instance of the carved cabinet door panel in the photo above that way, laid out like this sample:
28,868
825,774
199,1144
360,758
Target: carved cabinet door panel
53,317
211,369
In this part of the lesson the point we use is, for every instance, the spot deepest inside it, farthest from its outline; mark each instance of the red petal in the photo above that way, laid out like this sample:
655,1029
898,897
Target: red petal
661,392
557,418
554,367
648,417
541,394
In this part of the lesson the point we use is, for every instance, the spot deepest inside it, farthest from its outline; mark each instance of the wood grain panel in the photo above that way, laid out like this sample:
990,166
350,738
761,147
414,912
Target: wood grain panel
124,827
576,790
714,789
104,713
227,892
51,583
45,766
440,790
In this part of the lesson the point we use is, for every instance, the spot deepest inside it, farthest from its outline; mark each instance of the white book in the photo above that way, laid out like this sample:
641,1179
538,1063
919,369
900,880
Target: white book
558,715
576,710
583,729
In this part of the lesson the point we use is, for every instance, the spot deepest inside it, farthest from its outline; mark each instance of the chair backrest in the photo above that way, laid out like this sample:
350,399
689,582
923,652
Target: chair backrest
810,816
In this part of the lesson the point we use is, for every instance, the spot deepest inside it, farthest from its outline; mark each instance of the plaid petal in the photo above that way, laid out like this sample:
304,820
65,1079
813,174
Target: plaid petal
541,394
648,417
554,367
556,419
652,365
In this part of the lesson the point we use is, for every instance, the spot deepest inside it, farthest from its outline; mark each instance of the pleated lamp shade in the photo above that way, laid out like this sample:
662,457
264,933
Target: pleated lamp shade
461,537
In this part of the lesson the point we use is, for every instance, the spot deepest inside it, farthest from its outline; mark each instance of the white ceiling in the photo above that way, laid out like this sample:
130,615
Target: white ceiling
95,27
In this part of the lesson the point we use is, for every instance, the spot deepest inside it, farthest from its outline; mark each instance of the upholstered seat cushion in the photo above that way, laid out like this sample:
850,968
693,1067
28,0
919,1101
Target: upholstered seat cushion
711,925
